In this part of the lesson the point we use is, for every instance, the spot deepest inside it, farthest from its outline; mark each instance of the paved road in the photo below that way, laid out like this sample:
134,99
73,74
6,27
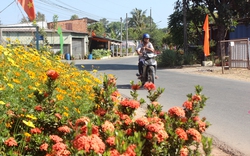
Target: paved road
226,109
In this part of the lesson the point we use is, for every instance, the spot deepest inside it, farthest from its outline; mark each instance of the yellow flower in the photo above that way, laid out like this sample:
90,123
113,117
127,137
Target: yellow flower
29,123
10,85
59,97
2,103
65,114
16,81
27,134
8,125
94,71
31,117
66,108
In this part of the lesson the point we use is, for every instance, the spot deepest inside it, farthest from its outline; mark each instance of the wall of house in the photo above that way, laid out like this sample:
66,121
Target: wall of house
79,25
241,31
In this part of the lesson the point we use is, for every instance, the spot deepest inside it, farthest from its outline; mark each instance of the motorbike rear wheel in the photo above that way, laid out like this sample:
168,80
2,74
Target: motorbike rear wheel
151,74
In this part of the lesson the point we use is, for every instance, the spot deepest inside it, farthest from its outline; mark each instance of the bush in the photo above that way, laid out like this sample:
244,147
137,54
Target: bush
170,58
99,53
59,110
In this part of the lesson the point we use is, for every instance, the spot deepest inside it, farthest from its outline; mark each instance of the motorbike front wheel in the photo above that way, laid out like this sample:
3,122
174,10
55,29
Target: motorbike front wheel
151,74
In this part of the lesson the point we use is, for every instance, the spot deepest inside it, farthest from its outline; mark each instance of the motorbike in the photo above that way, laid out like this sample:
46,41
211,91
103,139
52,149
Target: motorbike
149,68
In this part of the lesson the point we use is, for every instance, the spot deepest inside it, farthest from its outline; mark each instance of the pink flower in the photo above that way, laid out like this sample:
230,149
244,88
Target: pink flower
202,126
82,121
161,135
196,98
52,74
130,103
143,121
58,116
10,142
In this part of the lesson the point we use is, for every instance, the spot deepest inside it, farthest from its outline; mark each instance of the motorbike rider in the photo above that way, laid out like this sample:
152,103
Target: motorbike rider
144,47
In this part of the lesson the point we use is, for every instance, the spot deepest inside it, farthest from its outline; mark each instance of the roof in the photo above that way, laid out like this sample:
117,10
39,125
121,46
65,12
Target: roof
103,39
89,20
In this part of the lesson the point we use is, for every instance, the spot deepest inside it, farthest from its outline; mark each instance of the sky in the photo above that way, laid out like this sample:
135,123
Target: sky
112,10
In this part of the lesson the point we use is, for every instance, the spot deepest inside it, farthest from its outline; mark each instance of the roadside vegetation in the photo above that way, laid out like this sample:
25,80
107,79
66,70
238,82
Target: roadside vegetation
51,108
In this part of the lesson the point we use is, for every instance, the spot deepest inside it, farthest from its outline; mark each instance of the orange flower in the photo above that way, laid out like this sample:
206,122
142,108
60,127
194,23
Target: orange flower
10,142
202,126
161,135
195,134
64,129
52,74
130,103
55,138
178,111
149,86
188,105
82,121
181,134
44,147
149,135
58,116
196,98
100,112
143,121
111,141
114,152
108,126
184,151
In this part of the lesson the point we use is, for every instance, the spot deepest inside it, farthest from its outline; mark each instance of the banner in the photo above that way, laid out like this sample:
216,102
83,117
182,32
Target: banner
206,37
28,6
59,31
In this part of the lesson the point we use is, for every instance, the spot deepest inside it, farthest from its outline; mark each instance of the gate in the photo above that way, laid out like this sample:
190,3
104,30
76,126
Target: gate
238,52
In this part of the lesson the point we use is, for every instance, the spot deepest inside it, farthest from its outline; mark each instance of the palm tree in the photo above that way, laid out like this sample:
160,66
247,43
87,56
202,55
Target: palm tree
137,21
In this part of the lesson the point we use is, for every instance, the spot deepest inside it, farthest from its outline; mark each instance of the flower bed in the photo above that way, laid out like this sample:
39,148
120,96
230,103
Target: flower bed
51,108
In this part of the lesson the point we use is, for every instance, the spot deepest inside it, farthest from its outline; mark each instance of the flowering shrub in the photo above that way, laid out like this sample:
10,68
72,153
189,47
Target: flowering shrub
50,108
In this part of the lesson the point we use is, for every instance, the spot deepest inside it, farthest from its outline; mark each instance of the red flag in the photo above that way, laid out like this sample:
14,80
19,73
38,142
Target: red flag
206,37
28,6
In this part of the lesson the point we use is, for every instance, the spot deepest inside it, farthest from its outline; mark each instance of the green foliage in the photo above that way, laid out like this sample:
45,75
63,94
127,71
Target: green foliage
170,58
99,53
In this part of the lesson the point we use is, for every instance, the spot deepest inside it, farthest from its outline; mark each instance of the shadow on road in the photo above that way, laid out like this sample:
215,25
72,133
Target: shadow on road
124,86
100,67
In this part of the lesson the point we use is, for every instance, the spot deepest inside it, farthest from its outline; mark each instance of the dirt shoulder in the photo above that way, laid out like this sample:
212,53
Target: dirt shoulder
241,74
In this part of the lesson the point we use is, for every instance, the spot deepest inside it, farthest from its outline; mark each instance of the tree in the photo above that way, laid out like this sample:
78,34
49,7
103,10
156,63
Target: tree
55,21
114,30
98,28
138,20
74,17
40,17
225,13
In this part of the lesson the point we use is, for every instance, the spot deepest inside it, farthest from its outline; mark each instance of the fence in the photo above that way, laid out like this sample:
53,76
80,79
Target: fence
26,35
238,52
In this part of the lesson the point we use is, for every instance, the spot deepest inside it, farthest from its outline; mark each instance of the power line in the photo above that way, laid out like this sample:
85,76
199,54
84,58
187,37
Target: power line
7,6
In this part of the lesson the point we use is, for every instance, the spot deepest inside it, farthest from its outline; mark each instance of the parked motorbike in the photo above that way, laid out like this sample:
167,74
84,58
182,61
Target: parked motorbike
149,68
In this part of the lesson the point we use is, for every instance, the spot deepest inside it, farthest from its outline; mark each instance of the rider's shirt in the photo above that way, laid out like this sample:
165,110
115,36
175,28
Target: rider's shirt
139,48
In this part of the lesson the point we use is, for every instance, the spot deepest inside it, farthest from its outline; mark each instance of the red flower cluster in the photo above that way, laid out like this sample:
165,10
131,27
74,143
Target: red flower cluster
195,134
181,134
143,121
130,103
188,105
149,86
135,86
178,111
10,142
55,138
184,151
87,143
64,129
35,131
111,141
44,147
196,98
52,74
82,121
108,126
100,112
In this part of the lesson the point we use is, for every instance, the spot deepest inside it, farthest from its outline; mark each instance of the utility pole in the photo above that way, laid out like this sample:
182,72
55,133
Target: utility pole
185,26
121,40
126,34
150,20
